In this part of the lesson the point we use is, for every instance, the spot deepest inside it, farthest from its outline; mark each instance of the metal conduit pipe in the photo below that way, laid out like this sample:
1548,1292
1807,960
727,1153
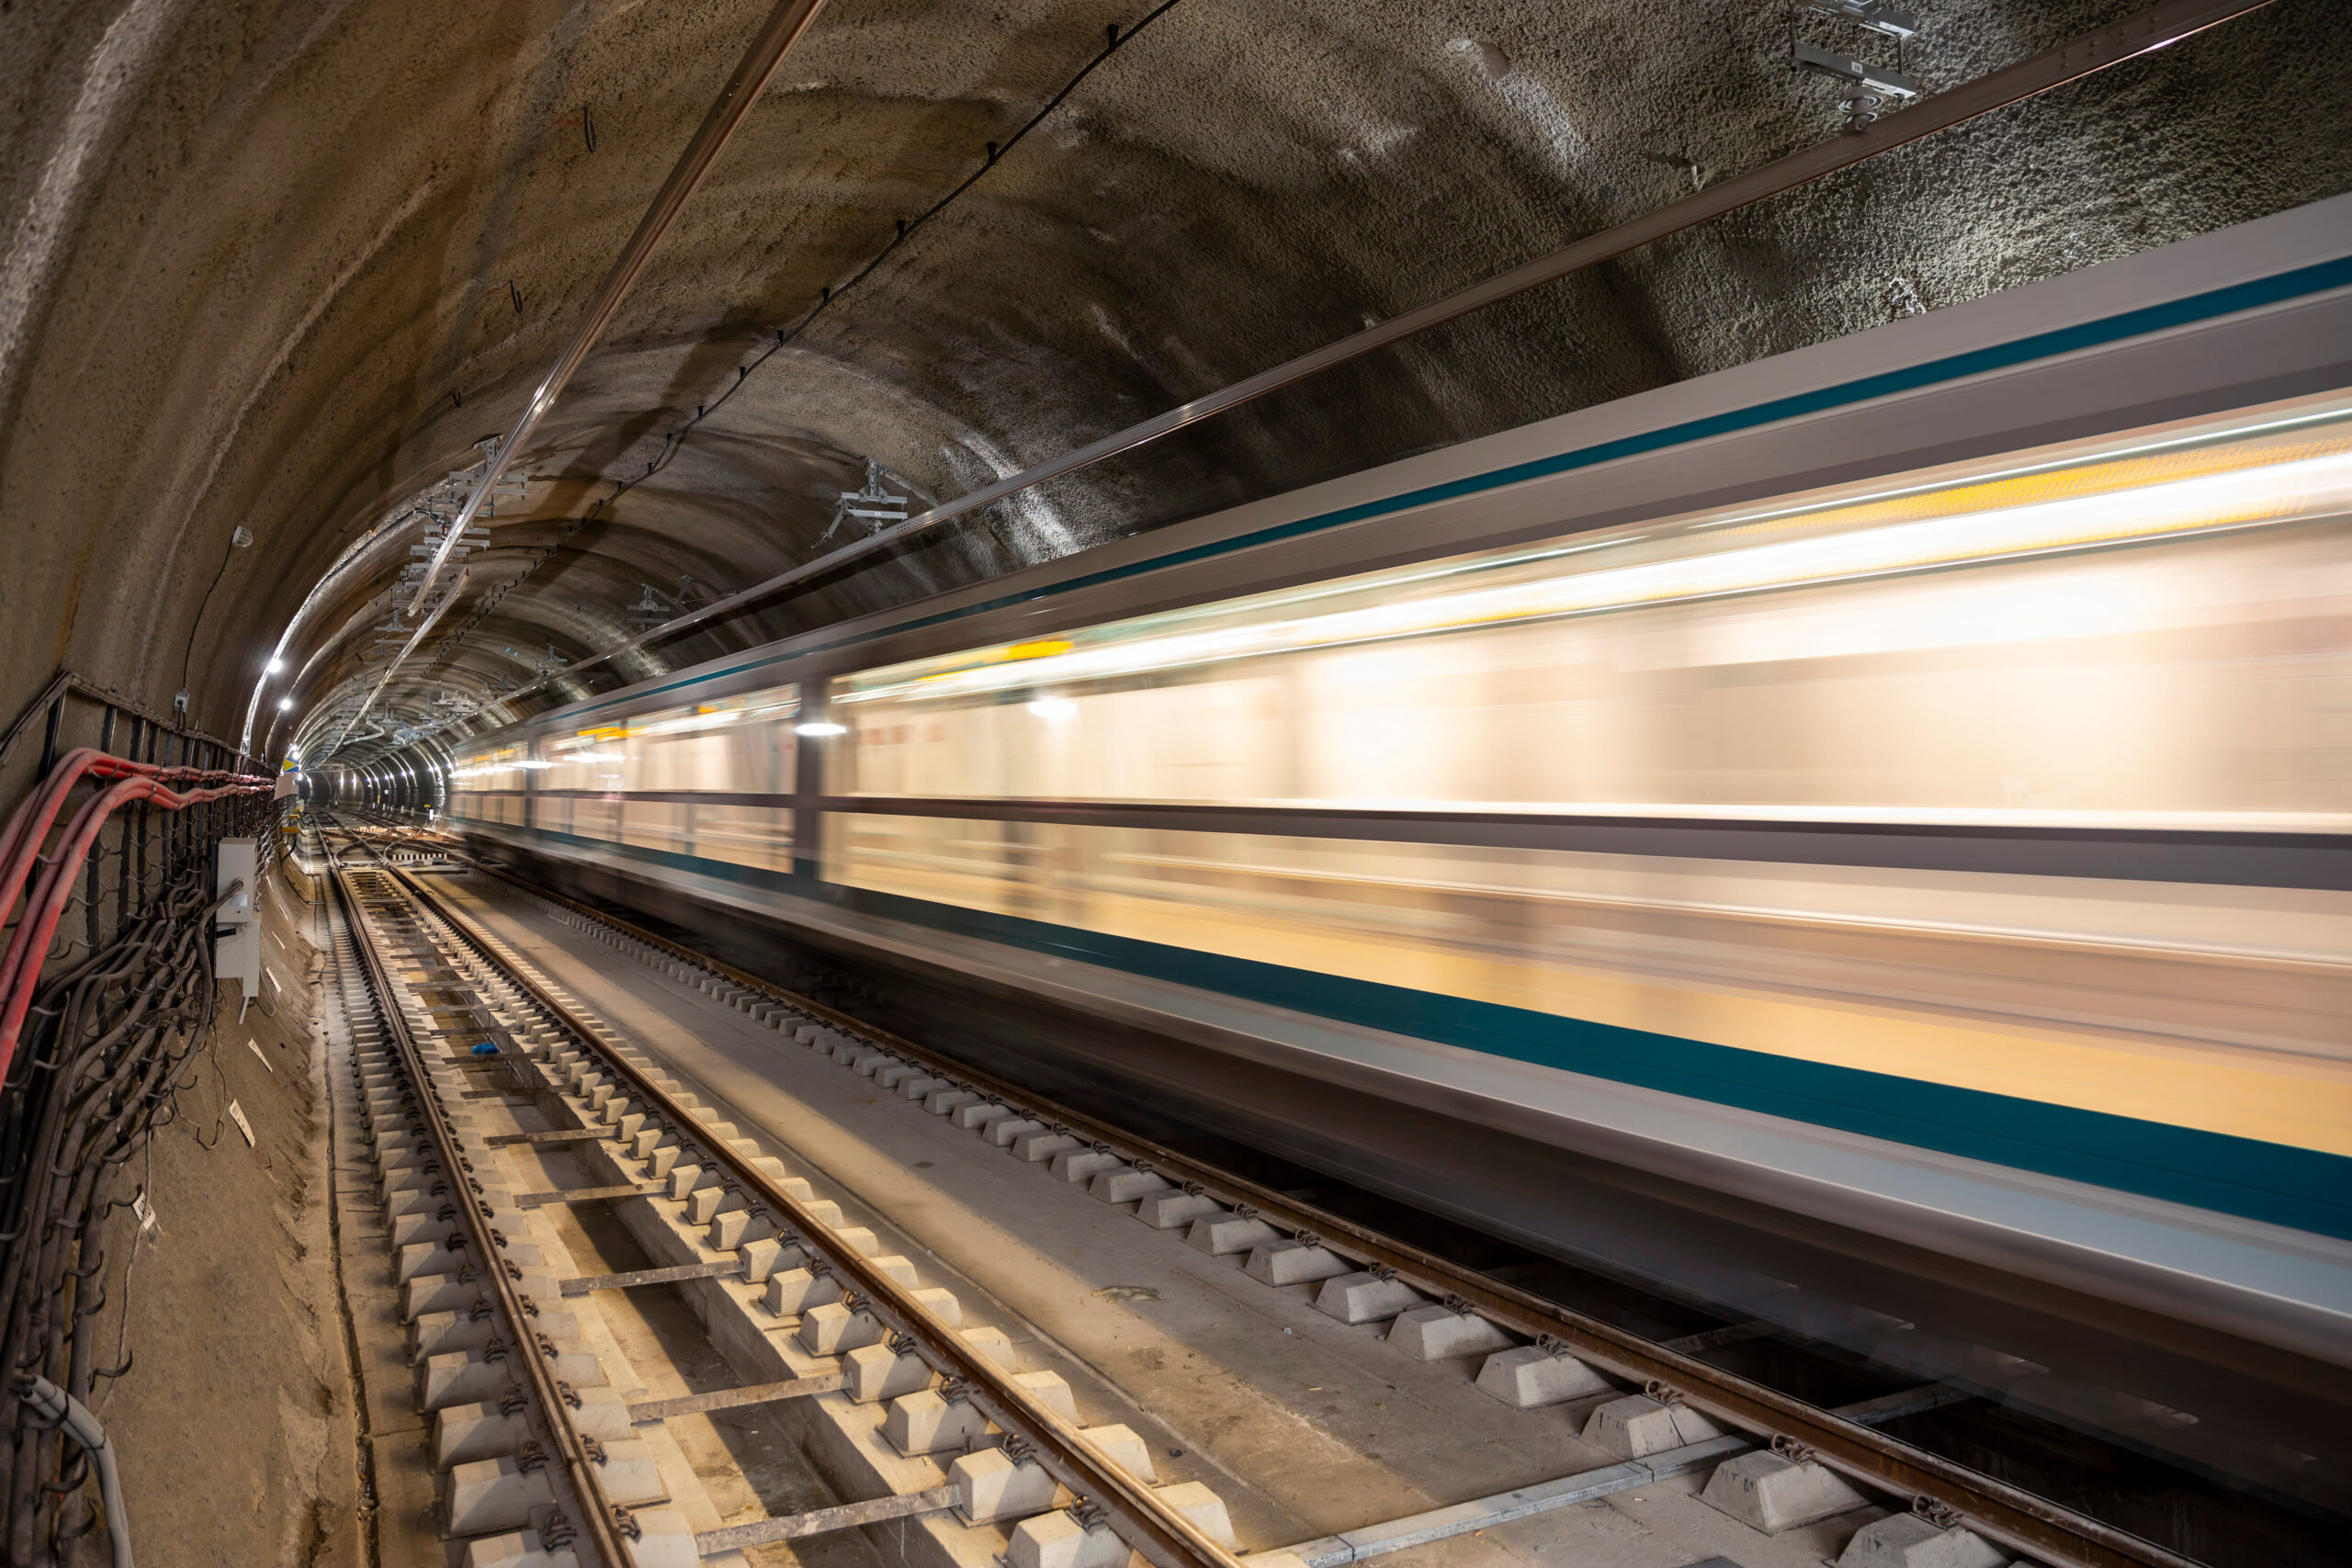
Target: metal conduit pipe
783,28
424,629
61,1410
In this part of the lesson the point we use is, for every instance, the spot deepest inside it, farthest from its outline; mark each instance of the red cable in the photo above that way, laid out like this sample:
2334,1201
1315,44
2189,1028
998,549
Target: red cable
28,827
21,971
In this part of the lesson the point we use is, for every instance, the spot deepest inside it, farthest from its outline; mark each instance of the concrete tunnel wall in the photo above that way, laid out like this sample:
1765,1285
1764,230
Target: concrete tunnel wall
284,266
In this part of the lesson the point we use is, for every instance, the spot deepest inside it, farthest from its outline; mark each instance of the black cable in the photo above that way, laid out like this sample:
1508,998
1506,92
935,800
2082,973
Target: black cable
113,1039
188,654
1117,41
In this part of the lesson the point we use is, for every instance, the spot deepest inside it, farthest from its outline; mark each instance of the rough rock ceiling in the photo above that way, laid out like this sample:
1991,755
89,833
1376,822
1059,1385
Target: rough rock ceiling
281,266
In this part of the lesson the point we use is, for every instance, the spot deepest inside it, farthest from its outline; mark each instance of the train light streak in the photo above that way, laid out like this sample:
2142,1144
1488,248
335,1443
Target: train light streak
2084,509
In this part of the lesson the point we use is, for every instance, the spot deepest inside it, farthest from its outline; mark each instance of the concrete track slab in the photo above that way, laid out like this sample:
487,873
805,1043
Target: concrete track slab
1304,1424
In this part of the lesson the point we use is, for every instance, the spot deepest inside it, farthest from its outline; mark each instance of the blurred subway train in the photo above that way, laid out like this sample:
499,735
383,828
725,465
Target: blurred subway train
1890,799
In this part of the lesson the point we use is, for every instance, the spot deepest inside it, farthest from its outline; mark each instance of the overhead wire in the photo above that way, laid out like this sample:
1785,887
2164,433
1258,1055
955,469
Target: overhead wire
906,229
1115,40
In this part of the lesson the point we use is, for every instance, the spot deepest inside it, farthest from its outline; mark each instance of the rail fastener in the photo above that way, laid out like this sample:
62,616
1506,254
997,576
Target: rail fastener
1133,1510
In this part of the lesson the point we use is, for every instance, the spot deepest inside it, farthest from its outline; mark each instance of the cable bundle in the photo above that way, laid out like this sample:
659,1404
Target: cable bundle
108,1040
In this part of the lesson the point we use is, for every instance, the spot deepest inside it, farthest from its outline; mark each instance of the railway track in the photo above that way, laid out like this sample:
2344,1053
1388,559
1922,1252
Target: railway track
982,1460
778,1228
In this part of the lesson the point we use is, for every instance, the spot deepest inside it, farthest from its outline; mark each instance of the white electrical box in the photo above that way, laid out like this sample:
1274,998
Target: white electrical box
236,925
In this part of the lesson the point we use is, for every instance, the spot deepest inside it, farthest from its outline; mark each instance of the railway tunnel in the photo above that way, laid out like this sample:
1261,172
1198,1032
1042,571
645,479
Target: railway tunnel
1064,785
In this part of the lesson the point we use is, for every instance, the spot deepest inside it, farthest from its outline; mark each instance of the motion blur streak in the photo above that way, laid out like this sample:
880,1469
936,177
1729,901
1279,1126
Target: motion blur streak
1969,646
2226,486
2190,682
2004,666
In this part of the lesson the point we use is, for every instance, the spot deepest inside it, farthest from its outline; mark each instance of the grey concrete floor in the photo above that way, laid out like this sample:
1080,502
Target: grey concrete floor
233,1421
1305,1426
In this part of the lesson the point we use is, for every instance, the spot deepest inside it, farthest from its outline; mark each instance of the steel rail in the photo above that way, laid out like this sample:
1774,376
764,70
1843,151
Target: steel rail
1134,1510
785,25
2158,27
2009,1515
600,1523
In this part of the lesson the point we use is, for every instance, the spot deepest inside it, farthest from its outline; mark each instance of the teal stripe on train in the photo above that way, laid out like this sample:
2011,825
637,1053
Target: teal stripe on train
2317,279
2320,278
2301,1189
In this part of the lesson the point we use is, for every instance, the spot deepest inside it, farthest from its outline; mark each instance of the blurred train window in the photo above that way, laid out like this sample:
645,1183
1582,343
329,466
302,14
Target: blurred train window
2144,630
711,779
488,786
1816,961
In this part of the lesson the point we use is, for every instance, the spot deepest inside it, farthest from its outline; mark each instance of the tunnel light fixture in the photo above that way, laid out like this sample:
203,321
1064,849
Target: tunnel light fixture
1054,710
819,727
275,667
285,704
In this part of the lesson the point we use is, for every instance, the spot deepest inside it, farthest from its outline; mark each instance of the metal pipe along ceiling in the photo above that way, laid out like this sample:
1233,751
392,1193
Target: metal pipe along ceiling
784,27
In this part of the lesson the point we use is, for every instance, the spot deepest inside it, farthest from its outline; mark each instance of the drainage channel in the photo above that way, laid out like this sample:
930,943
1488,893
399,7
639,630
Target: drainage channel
1772,1461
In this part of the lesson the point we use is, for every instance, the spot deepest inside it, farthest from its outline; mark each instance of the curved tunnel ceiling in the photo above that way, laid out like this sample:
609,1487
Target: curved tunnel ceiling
286,268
